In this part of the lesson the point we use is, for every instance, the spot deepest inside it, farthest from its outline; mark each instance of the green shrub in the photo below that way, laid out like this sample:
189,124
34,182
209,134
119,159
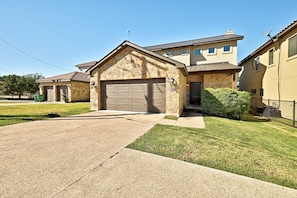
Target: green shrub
65,98
225,102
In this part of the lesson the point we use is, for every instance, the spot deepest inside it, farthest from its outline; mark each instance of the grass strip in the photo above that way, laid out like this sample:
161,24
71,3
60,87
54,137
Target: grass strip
255,147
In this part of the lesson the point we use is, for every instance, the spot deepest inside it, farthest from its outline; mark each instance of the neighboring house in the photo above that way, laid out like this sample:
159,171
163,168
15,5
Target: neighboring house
163,78
85,66
270,71
74,86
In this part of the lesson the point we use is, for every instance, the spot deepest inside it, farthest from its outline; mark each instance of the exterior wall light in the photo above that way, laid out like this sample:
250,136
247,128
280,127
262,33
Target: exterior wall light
93,84
172,81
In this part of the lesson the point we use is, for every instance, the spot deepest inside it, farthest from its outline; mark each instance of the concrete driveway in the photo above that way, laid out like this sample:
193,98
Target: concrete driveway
43,158
85,156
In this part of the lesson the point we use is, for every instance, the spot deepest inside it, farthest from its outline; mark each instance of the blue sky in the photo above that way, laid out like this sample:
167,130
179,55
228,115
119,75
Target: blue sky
52,36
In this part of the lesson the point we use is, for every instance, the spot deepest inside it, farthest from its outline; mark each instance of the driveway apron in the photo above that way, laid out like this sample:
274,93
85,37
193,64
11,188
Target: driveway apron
43,158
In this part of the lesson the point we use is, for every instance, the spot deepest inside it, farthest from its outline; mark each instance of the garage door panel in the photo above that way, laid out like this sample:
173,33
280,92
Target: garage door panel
50,94
138,102
138,95
134,95
124,100
123,107
121,94
122,88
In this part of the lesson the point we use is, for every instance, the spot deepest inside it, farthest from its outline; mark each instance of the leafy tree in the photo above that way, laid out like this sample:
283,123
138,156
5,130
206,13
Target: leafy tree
31,87
19,85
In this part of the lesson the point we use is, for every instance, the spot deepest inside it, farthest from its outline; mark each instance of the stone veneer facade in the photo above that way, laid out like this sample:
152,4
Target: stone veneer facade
76,91
131,64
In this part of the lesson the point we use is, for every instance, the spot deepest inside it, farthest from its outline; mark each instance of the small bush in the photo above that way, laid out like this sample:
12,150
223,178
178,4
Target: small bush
225,102
65,98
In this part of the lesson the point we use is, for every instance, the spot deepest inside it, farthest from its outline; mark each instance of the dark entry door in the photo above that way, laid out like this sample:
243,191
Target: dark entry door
195,93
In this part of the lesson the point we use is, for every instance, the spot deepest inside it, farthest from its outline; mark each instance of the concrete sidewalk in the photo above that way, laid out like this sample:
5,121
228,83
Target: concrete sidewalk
132,173
192,120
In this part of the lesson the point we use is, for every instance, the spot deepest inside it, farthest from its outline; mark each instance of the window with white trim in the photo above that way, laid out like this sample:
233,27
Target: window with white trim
292,46
227,48
211,50
197,52
271,57
257,63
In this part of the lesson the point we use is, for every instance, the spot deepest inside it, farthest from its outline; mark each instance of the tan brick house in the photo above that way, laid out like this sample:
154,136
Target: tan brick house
162,78
74,86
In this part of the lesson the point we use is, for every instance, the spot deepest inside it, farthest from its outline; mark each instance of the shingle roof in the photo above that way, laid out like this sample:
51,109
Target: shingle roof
200,41
123,45
86,65
72,76
210,67
278,35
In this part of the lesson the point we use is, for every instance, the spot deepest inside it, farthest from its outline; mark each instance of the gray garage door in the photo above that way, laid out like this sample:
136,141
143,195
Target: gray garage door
134,95
49,94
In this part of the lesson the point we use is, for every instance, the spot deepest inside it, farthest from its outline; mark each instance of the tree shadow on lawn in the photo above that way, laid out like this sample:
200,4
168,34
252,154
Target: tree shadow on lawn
245,118
23,117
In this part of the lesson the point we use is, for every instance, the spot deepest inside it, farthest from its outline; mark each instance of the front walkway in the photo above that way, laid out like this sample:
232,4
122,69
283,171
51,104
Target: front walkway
192,120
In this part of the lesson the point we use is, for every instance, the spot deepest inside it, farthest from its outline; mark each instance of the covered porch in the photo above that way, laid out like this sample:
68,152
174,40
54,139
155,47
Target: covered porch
213,75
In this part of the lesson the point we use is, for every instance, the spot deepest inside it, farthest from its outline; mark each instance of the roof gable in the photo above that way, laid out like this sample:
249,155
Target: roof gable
201,41
72,76
125,44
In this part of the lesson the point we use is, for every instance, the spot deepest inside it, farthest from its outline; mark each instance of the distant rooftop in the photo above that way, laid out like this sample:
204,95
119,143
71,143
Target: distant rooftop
227,37
86,65
72,76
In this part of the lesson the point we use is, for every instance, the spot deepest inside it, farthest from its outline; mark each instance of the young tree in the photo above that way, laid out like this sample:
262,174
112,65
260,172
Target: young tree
31,87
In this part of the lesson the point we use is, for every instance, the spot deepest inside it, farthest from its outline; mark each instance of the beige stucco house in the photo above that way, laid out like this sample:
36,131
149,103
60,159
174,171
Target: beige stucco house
162,78
270,71
73,86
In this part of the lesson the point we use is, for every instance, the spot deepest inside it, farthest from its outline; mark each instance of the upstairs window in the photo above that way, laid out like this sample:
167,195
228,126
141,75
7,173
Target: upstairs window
253,92
271,56
184,51
257,63
293,46
197,52
227,48
211,50
169,53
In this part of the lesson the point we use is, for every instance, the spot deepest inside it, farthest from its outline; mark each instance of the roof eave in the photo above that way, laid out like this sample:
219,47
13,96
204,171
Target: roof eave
236,37
217,70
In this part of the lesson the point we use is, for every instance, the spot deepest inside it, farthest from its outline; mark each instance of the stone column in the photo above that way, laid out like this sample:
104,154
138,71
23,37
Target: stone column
234,81
41,89
55,93
69,94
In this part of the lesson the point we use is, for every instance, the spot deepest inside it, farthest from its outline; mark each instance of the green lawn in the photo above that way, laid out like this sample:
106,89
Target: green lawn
14,114
256,148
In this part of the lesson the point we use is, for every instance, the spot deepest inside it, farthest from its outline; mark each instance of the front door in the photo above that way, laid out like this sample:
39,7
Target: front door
195,93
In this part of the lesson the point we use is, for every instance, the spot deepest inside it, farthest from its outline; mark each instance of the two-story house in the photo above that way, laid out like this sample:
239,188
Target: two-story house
269,72
163,78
